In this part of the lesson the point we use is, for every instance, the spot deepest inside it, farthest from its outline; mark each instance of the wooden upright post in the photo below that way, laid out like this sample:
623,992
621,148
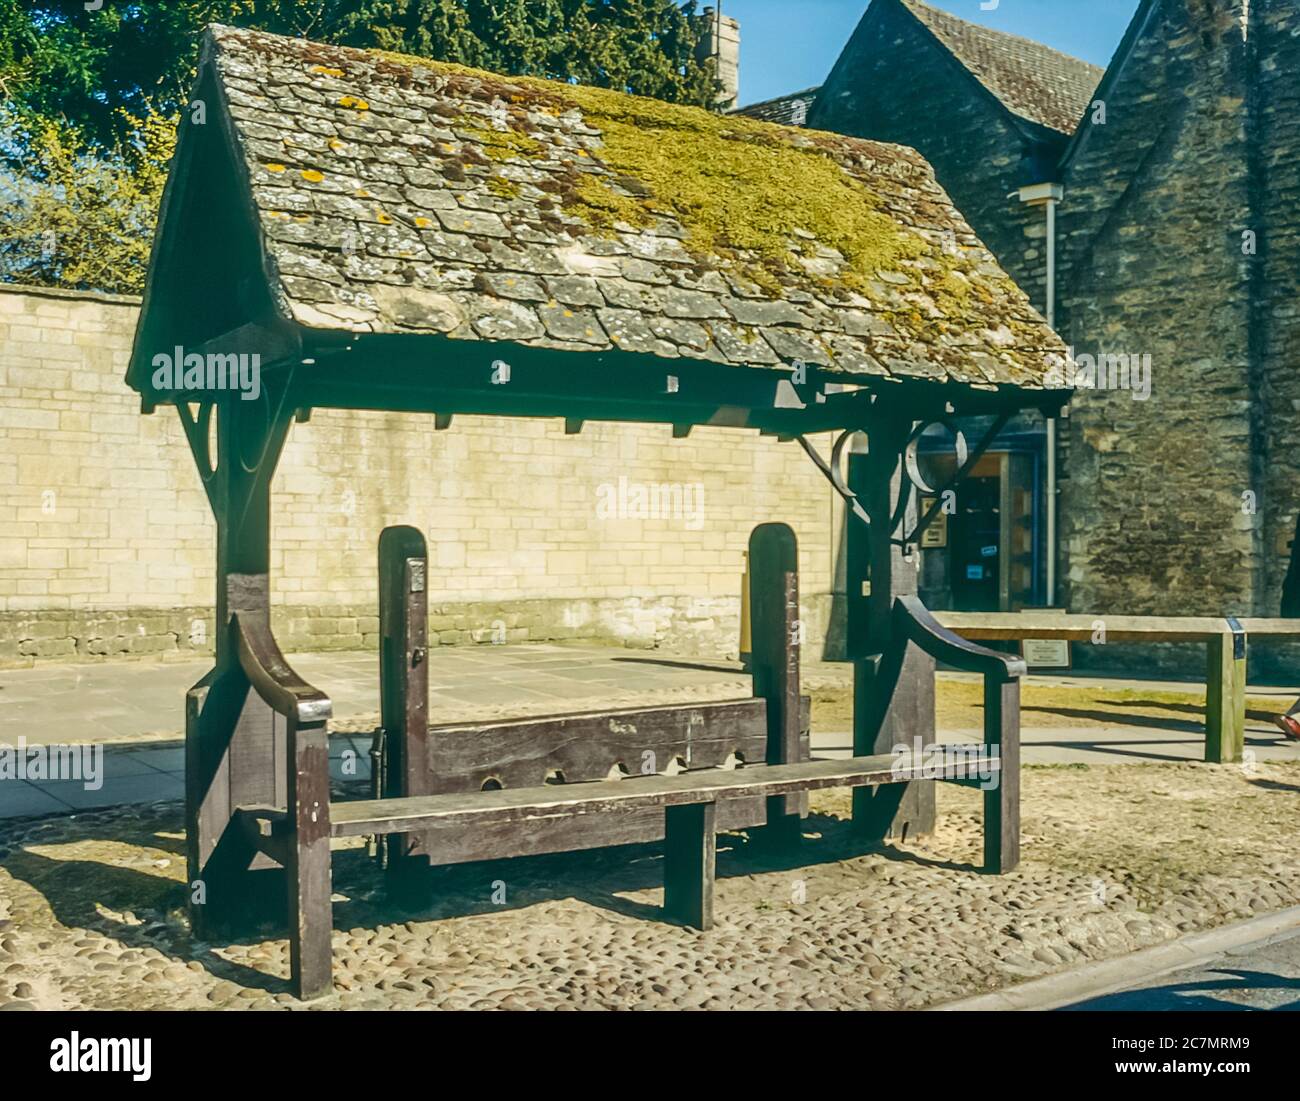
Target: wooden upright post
690,857
889,707
404,691
1225,695
1002,803
776,636
308,880
236,747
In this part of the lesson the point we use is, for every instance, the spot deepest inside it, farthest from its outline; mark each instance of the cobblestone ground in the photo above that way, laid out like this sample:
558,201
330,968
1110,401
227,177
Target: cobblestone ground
1116,858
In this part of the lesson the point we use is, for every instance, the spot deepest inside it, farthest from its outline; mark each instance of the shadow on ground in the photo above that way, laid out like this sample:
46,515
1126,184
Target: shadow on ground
1197,996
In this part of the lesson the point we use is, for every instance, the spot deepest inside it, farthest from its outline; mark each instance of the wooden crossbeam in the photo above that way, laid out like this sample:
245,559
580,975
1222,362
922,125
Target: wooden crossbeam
983,626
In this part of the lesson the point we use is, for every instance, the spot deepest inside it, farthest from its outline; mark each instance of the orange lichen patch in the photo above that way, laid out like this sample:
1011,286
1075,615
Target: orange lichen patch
362,193
334,144
382,218
423,223
312,176
325,70
277,168
355,103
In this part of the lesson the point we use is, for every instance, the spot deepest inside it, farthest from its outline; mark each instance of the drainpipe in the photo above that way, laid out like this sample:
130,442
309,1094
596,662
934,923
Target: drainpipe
1048,195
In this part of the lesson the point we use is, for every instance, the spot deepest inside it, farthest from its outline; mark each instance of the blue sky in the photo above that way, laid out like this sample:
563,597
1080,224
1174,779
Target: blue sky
787,45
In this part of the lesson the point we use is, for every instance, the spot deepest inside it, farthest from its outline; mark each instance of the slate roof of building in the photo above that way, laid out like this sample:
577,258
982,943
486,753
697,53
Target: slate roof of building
402,196
789,110
1031,80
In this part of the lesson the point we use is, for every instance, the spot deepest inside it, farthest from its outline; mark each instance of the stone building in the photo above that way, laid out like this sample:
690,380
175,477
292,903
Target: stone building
1163,200
992,113
1180,240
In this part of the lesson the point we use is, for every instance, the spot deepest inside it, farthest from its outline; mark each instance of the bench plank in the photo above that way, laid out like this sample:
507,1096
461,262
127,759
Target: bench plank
361,817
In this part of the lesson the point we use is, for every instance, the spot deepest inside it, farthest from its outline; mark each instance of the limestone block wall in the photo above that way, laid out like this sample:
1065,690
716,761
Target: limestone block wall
619,534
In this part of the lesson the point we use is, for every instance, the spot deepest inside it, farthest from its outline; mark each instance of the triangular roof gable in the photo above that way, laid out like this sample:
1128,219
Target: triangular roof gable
789,110
1032,82
209,273
1133,35
394,195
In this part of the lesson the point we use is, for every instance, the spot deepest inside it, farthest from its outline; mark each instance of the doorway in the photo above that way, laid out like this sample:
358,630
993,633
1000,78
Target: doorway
976,546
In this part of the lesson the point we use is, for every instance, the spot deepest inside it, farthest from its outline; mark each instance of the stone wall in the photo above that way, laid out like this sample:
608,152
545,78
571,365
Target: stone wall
1184,504
107,544
1152,501
1275,113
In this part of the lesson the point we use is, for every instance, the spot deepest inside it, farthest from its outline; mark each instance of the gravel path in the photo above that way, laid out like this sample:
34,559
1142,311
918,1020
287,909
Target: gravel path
1116,858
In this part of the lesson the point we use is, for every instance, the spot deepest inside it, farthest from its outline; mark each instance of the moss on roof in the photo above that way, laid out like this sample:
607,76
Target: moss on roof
428,197
752,185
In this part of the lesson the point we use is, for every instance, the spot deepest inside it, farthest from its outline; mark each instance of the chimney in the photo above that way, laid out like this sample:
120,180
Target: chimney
722,43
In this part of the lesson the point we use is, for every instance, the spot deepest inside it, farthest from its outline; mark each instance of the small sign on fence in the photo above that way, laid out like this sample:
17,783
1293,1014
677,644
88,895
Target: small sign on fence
1046,653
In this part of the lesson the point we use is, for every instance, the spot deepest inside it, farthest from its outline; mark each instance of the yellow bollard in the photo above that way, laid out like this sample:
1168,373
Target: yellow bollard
745,644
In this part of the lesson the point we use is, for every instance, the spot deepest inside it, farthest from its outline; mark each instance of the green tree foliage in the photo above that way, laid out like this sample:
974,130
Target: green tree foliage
58,60
74,214
86,96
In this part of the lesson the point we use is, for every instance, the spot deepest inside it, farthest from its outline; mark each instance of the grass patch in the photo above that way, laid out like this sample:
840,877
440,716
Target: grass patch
959,705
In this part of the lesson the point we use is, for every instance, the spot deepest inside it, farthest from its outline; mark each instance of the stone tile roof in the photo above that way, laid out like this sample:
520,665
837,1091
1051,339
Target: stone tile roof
1031,80
396,195
790,110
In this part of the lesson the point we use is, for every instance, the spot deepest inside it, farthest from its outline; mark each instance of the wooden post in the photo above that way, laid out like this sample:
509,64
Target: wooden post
776,634
404,691
690,859
311,919
1225,695
890,707
1002,803
236,747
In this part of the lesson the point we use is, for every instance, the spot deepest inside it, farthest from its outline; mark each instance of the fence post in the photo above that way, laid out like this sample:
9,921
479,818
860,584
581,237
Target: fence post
1225,695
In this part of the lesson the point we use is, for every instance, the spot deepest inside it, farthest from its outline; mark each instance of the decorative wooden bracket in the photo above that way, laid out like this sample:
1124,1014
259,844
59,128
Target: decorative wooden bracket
197,433
913,481
833,473
966,462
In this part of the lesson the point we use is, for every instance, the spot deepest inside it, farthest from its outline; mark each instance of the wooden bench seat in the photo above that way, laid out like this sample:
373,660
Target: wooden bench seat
689,801
375,816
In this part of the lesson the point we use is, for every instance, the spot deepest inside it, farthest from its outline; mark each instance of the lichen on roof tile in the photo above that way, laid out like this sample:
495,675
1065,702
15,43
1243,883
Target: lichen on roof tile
398,195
